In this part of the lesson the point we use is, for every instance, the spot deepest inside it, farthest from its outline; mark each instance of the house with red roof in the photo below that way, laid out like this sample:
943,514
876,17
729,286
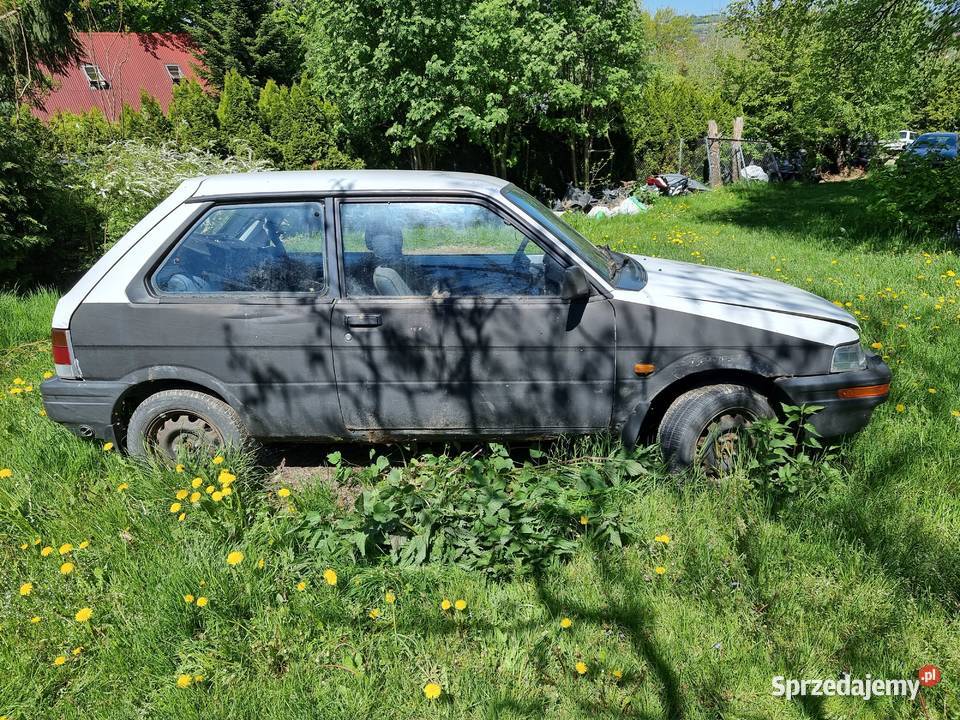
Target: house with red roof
115,68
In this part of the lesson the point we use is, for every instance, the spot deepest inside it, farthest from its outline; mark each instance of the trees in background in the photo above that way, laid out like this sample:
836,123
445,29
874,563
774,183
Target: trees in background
34,34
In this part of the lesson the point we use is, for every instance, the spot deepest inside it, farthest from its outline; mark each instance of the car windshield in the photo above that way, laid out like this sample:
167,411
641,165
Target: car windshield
599,260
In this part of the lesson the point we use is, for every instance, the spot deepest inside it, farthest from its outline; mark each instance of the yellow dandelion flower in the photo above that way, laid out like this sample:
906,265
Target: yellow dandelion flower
584,520
188,598
76,651
198,678
932,391
374,614
41,412
581,667
209,489
877,345
83,614
182,494
390,597
65,548
35,619
432,691
226,478
301,586
107,447
445,604
181,517
5,473
122,486
175,507
196,482
183,681
84,545
18,381
565,623
659,569
24,546
46,551
202,601
66,568
227,491
665,539
283,492
195,497
218,460
460,605
59,660
217,496
618,674
47,375
955,413
901,407
26,589
330,576
235,558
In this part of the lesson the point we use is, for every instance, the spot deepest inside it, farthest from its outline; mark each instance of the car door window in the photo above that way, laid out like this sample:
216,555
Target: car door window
440,249
257,248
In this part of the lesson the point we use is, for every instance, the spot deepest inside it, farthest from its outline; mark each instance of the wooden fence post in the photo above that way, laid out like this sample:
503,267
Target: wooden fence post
713,152
735,151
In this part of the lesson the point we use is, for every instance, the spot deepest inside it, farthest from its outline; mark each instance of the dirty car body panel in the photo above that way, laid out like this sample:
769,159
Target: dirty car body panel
250,288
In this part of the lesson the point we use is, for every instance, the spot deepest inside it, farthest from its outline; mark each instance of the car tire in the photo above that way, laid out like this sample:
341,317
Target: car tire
703,427
173,419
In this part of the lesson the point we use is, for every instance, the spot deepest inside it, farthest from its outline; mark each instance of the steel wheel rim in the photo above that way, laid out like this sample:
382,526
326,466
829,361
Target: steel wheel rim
720,441
179,431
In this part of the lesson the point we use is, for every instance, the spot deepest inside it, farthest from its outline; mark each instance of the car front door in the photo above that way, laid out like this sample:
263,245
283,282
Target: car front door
451,321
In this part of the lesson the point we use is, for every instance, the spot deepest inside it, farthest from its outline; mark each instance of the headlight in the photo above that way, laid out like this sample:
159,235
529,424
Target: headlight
848,357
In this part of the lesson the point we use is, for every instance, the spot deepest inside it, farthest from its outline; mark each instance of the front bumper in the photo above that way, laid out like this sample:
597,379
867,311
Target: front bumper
840,416
85,407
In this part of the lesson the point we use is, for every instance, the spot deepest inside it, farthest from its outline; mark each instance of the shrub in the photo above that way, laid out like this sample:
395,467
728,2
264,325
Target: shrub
487,513
128,178
39,209
920,194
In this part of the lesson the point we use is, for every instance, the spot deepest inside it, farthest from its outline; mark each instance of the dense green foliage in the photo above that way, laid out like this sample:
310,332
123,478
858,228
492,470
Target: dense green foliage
855,573
490,514
47,230
34,35
920,195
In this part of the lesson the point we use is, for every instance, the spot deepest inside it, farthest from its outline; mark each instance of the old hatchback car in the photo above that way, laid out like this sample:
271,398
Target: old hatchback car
390,305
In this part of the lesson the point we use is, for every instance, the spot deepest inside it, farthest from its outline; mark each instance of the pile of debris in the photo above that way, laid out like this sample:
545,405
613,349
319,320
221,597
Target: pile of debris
613,201
628,199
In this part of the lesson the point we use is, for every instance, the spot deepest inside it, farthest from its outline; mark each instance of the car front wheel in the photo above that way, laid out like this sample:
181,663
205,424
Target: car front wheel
175,421
706,427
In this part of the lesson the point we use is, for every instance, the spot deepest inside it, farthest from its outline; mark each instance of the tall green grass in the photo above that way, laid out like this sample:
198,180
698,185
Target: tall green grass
861,577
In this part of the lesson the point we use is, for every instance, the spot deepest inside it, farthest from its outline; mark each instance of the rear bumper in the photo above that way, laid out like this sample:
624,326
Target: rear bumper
840,416
85,407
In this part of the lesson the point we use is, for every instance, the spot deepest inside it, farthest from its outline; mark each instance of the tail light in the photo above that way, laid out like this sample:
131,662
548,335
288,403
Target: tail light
63,358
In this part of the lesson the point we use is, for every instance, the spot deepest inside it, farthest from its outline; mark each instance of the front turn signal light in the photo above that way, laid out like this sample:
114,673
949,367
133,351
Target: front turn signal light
865,391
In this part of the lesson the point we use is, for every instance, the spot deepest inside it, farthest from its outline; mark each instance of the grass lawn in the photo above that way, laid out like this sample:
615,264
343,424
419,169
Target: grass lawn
860,576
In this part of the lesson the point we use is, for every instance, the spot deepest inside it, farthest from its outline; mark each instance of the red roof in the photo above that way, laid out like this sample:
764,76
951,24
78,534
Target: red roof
129,63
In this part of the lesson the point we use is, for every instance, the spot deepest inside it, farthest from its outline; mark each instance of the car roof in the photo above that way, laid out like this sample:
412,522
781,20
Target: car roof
338,181
938,135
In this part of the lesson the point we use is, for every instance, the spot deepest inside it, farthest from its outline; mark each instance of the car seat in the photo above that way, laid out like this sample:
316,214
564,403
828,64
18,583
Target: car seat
386,244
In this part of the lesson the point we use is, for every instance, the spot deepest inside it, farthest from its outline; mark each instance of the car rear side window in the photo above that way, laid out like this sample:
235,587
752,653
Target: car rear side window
263,248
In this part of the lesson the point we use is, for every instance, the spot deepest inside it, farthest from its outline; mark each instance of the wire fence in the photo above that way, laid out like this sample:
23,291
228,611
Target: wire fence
738,159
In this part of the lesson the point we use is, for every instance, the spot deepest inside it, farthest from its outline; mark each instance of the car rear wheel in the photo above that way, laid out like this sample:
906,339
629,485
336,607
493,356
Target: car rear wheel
706,427
175,421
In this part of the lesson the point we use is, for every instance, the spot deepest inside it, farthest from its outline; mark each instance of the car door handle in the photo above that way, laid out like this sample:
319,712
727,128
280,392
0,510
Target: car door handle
352,321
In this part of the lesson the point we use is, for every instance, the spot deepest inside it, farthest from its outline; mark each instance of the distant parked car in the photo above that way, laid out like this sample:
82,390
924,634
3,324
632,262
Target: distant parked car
387,305
942,144
901,142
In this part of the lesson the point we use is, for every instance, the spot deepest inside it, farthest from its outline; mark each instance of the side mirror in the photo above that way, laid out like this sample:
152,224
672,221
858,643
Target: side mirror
575,284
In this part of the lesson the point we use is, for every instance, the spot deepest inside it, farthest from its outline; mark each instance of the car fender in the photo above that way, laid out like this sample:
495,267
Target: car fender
705,362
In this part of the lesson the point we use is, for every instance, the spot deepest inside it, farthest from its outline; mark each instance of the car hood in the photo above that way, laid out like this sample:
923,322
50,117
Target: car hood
725,287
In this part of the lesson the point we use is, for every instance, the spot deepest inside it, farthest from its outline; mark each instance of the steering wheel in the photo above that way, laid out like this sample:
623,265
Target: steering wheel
520,259
273,236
